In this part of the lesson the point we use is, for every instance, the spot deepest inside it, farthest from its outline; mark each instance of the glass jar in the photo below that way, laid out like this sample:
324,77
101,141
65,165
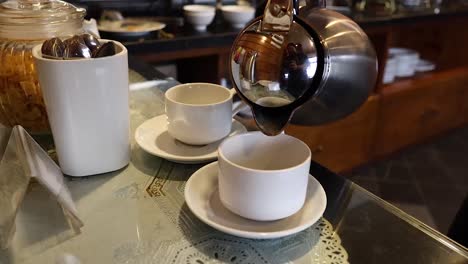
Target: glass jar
24,24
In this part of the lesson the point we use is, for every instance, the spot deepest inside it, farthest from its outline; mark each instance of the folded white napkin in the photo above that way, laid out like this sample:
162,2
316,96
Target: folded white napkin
21,159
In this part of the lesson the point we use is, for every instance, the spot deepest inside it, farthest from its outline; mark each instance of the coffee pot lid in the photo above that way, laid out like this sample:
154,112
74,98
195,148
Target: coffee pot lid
43,17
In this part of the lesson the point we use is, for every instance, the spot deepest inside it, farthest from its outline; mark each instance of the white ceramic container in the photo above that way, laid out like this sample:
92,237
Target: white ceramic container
88,110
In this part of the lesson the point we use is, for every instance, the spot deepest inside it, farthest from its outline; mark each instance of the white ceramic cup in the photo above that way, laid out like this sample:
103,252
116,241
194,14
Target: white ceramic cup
263,178
200,113
88,110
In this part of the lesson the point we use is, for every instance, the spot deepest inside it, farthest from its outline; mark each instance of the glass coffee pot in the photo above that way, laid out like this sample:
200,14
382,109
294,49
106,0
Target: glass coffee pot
311,62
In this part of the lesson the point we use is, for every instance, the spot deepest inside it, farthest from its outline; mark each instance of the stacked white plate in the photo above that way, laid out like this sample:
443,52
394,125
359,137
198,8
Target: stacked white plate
425,66
404,62
412,3
415,4
390,70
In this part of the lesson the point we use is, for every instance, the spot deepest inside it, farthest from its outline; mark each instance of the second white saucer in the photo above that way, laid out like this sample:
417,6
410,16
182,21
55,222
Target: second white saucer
202,197
152,136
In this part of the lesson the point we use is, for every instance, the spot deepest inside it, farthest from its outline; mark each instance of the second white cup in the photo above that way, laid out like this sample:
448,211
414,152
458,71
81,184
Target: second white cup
263,178
200,113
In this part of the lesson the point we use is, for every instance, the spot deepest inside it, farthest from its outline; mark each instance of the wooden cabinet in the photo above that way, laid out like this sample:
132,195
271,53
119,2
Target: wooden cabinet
402,114
463,101
343,144
417,109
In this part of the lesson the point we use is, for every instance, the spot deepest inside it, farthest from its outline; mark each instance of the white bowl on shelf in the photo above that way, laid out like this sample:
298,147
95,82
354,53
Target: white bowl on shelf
199,16
238,15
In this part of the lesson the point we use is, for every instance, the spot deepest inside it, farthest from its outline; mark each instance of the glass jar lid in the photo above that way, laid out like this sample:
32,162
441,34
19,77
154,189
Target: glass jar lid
39,19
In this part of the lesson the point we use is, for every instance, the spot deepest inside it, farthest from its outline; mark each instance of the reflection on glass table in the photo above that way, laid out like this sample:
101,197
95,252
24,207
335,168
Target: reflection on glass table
138,215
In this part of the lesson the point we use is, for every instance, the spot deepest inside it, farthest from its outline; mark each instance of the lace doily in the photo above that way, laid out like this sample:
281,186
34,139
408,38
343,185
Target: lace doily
318,244
228,249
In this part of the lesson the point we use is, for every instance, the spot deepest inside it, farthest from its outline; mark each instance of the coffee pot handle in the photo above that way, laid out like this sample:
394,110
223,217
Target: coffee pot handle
278,14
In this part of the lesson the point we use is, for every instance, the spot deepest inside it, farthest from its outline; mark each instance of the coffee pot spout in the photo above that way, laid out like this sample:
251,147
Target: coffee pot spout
271,120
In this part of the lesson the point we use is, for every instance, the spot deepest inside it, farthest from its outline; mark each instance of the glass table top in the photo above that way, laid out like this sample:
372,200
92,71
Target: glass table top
138,215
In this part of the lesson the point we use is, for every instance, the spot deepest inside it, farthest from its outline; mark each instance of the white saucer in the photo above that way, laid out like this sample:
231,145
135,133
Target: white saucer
130,27
202,197
152,136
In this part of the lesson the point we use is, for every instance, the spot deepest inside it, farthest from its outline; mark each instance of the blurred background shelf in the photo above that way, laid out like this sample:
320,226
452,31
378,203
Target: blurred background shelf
405,112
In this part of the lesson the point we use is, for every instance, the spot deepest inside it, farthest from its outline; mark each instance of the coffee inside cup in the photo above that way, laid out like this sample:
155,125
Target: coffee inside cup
198,94
263,178
273,153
